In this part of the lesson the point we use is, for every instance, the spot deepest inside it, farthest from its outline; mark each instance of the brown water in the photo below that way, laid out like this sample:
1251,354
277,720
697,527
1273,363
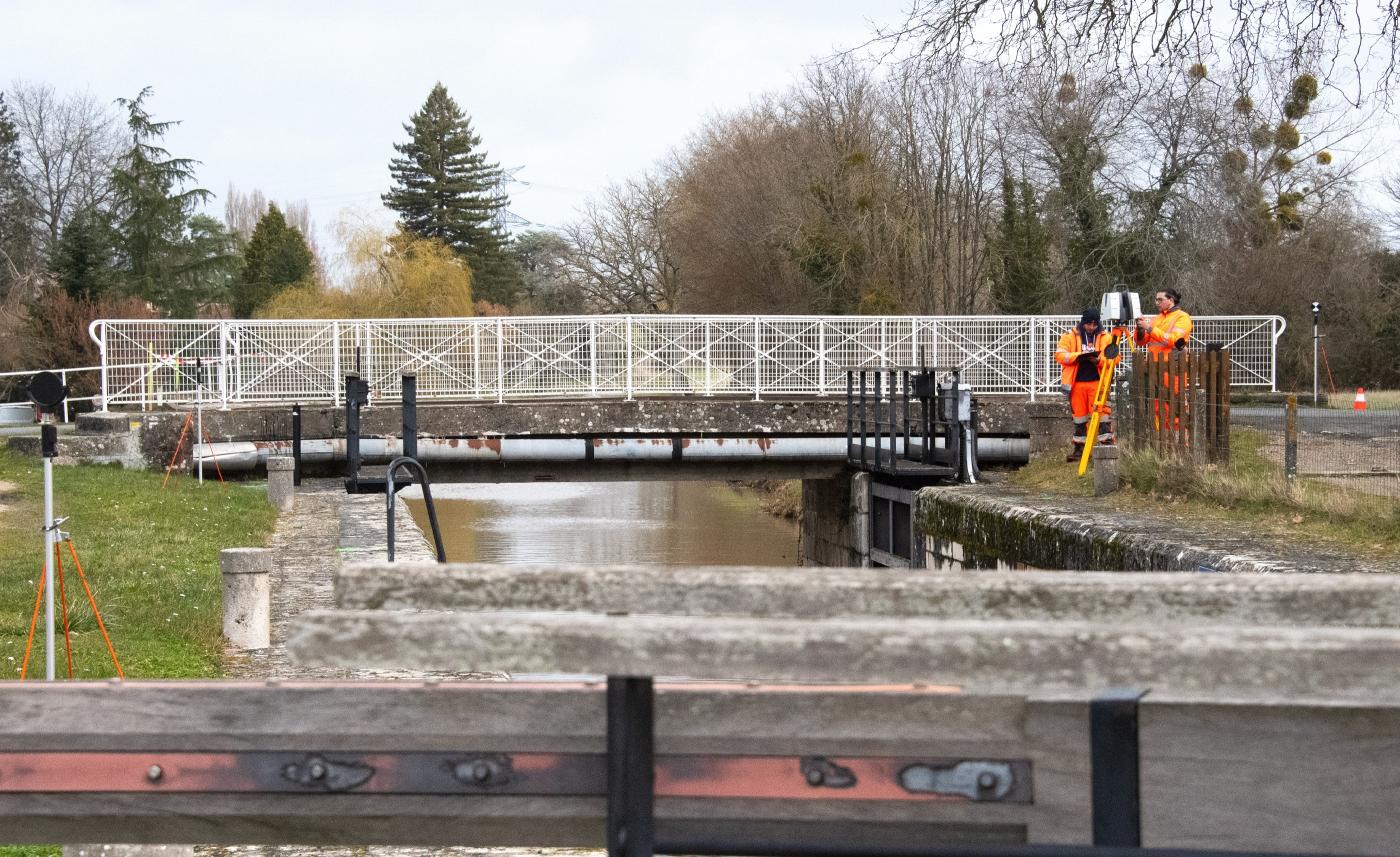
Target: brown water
667,523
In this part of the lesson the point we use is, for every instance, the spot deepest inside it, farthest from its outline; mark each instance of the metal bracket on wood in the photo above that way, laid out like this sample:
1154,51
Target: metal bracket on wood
631,767
1113,762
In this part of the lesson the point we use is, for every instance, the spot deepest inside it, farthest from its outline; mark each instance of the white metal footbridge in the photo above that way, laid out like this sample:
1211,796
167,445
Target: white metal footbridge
155,362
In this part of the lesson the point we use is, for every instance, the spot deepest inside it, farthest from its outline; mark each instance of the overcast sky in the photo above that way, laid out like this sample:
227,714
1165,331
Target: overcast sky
304,100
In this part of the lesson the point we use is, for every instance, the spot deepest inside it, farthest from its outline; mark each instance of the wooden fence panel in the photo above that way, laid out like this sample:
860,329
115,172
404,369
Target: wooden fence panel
1181,402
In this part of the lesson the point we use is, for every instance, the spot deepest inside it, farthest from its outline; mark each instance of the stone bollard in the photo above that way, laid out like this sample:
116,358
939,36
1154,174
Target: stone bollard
280,491
1105,470
247,596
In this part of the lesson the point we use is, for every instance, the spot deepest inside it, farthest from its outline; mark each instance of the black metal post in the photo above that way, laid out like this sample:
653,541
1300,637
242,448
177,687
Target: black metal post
1113,763
875,423
850,411
894,416
296,444
904,397
410,414
356,393
631,767
862,419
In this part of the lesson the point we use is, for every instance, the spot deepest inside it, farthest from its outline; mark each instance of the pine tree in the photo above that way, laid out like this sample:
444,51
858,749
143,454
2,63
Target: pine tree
444,188
83,260
276,257
153,212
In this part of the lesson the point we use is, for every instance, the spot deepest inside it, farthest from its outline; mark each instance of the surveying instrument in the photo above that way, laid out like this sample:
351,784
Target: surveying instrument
48,392
1118,311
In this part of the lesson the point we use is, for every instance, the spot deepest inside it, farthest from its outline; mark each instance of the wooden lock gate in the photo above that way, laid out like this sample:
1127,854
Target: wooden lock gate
870,717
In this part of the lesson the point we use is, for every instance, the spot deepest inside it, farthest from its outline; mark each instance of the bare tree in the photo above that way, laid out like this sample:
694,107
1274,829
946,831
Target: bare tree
621,261
69,146
1342,38
944,144
242,211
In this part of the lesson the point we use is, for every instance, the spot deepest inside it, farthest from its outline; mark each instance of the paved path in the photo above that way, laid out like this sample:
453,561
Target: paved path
325,529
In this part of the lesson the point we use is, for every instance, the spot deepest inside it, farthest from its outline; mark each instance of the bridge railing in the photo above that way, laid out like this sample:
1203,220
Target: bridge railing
151,362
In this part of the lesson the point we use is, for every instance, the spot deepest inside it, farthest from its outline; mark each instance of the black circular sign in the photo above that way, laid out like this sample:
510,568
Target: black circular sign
46,389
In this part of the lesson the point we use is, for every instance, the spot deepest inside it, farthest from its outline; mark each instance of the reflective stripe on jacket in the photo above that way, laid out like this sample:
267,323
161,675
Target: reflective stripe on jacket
1071,346
1167,329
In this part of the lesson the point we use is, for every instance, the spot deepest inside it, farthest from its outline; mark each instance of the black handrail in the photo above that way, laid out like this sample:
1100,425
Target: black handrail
405,461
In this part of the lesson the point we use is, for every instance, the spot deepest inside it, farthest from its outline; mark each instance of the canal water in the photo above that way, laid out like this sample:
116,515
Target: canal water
665,523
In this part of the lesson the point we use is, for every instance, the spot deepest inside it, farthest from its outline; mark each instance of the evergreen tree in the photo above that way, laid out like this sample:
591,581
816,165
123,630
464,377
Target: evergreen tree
1020,285
153,211
84,259
444,188
276,257
205,263
17,210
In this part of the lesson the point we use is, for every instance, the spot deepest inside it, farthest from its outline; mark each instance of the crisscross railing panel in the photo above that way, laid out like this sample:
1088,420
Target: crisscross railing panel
277,363
150,362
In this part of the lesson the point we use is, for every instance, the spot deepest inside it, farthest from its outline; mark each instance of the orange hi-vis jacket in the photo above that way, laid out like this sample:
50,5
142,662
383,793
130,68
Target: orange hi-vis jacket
1071,346
1168,328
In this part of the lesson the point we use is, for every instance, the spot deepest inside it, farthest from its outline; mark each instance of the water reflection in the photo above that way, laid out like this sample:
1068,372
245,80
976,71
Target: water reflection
666,523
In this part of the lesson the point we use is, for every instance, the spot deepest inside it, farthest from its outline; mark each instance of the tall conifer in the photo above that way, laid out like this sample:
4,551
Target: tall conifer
153,210
445,188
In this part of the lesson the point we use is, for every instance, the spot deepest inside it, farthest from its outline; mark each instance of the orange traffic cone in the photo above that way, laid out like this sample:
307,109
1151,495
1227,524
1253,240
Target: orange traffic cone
1360,403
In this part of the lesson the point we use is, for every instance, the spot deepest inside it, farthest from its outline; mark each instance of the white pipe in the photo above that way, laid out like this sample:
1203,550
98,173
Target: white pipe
247,455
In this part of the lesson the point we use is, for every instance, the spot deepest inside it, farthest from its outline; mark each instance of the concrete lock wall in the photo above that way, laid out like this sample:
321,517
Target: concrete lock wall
835,528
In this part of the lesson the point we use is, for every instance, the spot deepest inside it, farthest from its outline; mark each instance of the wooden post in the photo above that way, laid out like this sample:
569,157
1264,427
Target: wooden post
1290,443
1200,439
1172,380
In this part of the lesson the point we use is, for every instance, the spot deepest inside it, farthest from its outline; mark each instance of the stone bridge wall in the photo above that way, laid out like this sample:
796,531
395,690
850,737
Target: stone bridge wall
160,430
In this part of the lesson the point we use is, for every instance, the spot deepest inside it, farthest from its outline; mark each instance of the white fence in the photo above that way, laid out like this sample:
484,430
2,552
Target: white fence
236,362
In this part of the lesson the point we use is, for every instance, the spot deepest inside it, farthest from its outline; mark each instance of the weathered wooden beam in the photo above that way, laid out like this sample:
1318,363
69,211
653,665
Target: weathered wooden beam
1308,663
1356,600
471,718
1262,775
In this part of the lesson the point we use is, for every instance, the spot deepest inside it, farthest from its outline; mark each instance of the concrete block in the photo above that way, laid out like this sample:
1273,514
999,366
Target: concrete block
128,851
104,422
1220,661
1050,426
247,574
860,518
1236,600
1106,479
280,490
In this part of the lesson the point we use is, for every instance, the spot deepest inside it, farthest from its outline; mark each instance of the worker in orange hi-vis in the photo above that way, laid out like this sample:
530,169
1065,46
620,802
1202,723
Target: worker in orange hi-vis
1168,331
1080,353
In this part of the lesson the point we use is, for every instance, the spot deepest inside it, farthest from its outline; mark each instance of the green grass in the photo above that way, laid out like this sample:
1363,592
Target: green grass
1344,399
1250,491
151,556
30,850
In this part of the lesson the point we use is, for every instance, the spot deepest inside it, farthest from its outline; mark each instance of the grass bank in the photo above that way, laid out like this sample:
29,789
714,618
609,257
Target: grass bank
151,556
1249,491
781,498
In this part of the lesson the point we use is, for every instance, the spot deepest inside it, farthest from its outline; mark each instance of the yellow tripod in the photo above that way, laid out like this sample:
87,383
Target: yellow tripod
1101,394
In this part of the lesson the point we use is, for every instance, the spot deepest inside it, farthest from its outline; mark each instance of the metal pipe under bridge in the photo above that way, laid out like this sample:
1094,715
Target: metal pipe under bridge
153,363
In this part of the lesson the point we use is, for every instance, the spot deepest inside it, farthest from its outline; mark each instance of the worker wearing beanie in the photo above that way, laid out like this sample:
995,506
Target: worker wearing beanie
1080,353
